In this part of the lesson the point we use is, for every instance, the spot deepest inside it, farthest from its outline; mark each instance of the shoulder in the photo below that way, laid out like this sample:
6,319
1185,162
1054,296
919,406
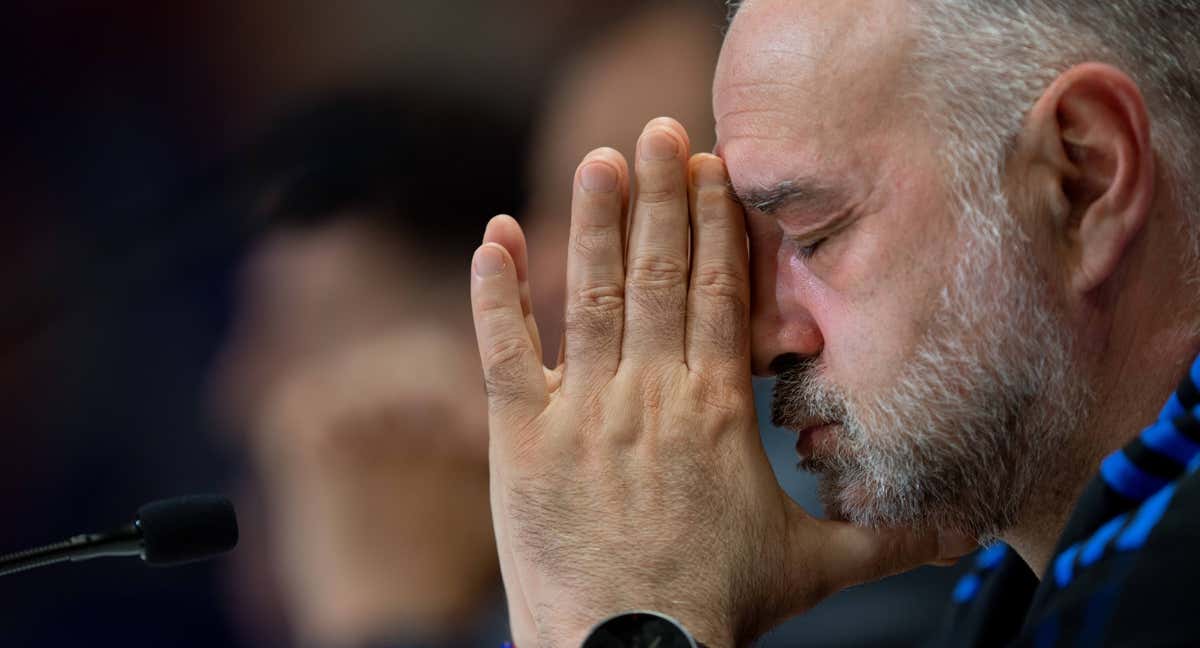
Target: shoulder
1131,582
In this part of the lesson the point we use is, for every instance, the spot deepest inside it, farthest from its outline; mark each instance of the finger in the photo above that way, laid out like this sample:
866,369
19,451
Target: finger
718,311
516,385
595,305
856,555
657,259
505,231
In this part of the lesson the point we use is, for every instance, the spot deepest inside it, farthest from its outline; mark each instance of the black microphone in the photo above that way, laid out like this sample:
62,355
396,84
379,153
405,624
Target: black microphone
166,532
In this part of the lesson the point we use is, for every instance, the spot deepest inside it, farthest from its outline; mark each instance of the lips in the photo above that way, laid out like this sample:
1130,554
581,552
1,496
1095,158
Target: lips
810,435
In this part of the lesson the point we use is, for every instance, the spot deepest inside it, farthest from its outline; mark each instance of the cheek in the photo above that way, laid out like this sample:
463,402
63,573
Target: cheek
843,321
867,312
800,293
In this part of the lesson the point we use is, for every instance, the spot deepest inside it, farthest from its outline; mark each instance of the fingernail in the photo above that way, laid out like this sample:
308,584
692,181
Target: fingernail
488,262
658,145
598,176
710,172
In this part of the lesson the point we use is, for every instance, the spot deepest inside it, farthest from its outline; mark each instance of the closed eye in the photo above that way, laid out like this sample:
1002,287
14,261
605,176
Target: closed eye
807,251
807,245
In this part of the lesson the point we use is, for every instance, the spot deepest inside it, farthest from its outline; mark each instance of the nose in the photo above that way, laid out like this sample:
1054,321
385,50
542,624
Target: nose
780,324
774,337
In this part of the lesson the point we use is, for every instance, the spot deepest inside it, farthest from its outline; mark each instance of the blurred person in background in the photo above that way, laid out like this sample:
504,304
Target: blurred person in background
348,379
370,469
120,241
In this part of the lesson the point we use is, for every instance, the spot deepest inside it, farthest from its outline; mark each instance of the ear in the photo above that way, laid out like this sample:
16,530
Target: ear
1089,135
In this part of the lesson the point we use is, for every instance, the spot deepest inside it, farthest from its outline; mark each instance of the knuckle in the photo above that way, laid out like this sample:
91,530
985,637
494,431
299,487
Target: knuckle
505,352
720,281
594,313
600,295
656,271
489,305
590,239
712,206
502,370
659,193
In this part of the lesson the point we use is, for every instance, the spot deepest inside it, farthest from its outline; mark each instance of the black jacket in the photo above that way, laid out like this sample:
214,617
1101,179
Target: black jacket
1125,571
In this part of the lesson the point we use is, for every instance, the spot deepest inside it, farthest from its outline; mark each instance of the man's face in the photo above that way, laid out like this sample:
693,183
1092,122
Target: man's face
922,344
809,121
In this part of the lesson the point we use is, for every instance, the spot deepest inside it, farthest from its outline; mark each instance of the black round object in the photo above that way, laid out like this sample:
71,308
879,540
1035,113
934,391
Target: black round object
183,529
641,629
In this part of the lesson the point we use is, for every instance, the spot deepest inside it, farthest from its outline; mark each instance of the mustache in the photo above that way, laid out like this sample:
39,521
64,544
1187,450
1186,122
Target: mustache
801,396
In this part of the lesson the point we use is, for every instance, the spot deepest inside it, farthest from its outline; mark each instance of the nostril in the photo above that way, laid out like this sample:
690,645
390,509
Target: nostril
784,362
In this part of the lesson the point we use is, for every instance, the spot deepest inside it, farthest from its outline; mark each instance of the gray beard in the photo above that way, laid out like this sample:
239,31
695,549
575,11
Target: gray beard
983,412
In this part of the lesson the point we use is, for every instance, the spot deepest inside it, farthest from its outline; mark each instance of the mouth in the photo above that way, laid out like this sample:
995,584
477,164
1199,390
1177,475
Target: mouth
810,435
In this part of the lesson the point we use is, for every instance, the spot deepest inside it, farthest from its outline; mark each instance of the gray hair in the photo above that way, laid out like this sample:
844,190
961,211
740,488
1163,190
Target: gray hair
982,64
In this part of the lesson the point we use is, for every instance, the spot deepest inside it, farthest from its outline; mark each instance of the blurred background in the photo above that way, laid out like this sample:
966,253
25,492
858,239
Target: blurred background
233,257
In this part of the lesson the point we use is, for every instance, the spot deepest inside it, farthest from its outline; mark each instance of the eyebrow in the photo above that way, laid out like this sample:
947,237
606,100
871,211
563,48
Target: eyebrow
805,194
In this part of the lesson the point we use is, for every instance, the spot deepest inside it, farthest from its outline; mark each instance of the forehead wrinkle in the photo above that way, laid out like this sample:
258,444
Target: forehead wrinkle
813,46
762,83
807,90
777,55
745,120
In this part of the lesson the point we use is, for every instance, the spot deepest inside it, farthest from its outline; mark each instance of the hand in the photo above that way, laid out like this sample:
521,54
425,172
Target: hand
376,481
631,476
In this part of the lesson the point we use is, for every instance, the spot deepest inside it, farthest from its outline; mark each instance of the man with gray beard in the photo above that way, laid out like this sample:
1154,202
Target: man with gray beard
962,234
989,382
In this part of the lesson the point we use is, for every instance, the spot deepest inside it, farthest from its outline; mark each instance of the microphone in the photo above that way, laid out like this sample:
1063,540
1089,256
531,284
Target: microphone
166,532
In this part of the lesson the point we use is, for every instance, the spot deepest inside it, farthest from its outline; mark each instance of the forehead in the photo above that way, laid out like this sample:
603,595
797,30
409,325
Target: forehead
809,84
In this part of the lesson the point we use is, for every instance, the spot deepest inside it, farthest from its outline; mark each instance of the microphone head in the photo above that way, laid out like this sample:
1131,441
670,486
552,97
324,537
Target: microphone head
183,529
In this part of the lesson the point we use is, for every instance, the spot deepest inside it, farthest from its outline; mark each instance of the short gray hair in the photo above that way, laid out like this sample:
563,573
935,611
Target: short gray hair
982,64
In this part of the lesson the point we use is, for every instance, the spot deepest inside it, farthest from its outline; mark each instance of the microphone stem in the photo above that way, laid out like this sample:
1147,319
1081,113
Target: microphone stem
124,541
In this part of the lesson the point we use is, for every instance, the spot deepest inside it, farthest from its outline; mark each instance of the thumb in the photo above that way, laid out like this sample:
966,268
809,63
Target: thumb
855,555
